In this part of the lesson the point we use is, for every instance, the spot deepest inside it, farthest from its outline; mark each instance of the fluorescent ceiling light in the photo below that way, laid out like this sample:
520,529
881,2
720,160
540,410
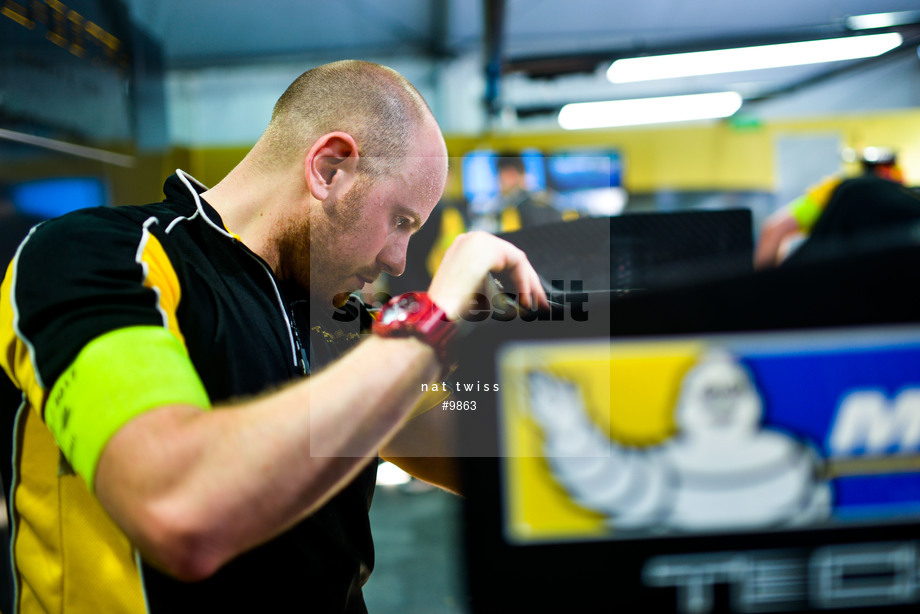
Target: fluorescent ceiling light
581,115
751,58
882,20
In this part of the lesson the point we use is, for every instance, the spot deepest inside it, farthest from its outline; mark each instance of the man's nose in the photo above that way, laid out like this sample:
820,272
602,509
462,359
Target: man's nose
393,256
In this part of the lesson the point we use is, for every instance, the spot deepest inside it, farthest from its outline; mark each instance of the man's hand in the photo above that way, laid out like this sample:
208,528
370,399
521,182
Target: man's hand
468,261
777,229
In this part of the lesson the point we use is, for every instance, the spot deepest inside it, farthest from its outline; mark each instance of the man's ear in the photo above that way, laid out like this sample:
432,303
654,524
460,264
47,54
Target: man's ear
331,164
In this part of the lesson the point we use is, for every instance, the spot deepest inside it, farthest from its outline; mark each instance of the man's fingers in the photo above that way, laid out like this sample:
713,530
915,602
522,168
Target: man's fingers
519,270
527,282
540,293
469,260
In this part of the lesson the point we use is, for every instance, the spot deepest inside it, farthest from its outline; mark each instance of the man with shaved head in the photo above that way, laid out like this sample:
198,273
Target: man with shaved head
171,455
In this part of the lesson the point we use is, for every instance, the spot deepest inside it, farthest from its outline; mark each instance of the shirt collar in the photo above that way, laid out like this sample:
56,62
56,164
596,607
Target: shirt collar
184,188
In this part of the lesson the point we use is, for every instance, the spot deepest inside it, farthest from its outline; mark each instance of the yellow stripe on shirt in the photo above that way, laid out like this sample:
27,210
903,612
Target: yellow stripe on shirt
17,356
160,277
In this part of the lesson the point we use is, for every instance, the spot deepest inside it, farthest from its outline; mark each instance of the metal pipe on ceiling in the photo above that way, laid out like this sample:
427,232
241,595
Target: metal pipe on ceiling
493,29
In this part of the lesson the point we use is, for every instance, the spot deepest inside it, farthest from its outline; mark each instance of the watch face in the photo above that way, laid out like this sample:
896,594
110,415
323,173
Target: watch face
415,314
401,310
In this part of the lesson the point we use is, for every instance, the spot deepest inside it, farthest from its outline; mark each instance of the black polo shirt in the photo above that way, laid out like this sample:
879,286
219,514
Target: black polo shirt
171,266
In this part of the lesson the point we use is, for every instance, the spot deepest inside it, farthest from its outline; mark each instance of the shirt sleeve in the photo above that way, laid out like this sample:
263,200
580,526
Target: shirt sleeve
89,329
806,209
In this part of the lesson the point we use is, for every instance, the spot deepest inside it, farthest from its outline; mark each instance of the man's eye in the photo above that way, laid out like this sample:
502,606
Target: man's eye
402,222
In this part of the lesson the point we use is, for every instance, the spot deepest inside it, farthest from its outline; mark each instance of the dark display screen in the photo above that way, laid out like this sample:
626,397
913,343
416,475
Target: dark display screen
65,69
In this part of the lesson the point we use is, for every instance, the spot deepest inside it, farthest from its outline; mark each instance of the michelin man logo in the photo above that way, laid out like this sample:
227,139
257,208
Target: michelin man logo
720,471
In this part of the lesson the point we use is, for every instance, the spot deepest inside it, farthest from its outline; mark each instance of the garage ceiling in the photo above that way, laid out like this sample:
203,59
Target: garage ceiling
211,32
530,40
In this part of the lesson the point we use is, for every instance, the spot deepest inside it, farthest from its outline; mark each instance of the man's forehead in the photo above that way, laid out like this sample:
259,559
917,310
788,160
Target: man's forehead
424,175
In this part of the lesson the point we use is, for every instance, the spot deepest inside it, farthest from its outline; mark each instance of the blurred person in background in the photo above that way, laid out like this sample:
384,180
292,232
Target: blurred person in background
873,199
519,205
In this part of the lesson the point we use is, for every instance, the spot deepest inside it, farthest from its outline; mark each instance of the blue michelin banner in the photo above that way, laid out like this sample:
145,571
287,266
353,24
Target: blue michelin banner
860,407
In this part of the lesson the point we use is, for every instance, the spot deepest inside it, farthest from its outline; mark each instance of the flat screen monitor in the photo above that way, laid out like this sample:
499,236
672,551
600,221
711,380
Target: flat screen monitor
587,182
584,170
55,196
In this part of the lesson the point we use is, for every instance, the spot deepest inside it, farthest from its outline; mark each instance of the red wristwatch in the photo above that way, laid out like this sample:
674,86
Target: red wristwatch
414,314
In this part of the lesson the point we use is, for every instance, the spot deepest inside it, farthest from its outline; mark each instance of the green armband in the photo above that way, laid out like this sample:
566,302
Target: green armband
116,377
805,211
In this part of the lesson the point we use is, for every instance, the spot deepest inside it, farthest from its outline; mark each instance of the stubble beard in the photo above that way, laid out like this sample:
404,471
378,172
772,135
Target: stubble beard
308,249
294,251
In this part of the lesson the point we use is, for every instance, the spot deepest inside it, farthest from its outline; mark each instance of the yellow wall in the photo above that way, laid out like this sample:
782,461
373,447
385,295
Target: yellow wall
209,164
689,157
717,156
